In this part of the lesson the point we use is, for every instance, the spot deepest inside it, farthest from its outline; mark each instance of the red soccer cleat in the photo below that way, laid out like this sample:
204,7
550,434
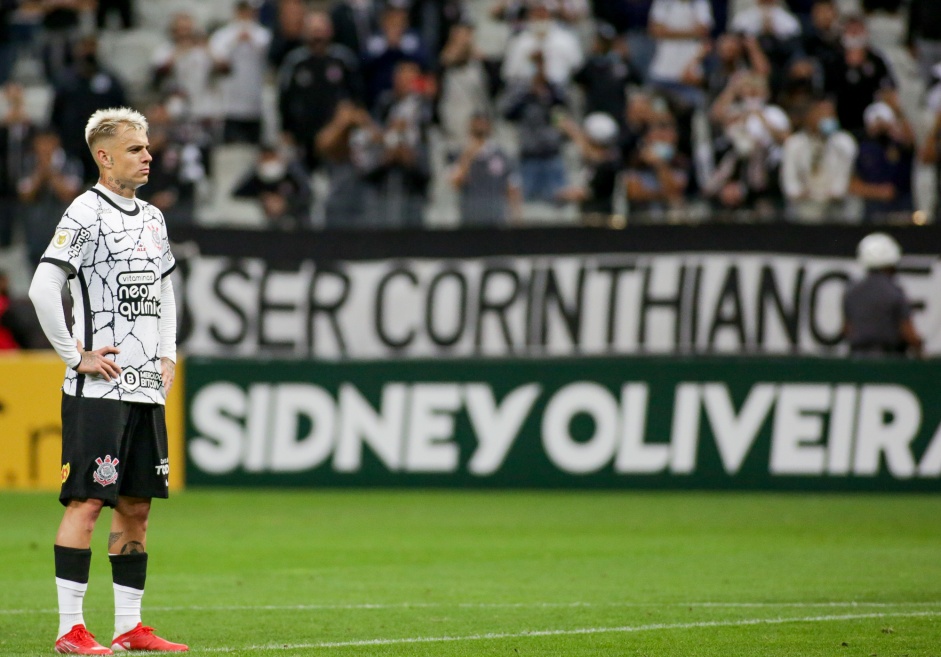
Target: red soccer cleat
143,638
79,641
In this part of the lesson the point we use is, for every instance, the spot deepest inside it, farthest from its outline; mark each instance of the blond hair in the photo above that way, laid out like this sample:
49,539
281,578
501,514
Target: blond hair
107,122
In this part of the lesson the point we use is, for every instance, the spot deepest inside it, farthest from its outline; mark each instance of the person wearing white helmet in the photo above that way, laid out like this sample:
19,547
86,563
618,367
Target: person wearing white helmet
877,316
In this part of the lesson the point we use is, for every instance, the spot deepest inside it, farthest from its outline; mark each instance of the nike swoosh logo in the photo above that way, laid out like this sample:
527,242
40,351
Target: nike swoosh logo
119,239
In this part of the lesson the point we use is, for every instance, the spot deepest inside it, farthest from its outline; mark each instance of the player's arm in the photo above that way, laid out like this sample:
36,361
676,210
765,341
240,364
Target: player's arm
45,292
167,333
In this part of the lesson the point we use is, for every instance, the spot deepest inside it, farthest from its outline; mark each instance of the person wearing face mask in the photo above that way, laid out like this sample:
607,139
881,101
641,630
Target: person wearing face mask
311,82
883,172
857,77
82,89
657,175
816,166
282,188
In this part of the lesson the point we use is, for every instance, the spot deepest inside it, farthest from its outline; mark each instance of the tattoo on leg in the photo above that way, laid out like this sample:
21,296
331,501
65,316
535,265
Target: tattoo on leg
113,538
133,547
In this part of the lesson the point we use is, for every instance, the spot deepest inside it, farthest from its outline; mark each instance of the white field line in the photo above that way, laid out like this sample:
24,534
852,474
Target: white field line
574,632
512,605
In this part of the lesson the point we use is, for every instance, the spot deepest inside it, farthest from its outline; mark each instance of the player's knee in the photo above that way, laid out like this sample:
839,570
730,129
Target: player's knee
86,512
135,511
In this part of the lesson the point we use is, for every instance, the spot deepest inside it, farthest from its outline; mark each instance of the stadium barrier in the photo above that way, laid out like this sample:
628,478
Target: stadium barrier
551,292
655,422
31,425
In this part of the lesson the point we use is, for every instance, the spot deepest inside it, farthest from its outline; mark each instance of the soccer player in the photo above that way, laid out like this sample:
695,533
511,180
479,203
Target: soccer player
113,251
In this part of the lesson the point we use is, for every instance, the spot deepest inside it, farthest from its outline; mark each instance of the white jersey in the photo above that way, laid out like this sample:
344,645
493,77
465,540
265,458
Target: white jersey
116,259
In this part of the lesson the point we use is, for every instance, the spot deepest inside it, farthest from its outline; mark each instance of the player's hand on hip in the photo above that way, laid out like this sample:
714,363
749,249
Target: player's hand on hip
168,369
96,362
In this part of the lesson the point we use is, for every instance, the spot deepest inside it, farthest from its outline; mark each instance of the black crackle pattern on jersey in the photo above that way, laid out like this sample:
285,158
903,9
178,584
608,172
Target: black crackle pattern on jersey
117,260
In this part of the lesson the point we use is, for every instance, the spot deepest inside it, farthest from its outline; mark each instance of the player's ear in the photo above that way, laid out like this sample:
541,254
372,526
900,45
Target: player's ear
104,160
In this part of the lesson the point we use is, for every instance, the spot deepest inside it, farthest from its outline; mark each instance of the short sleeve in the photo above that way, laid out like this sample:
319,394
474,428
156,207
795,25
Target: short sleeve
70,244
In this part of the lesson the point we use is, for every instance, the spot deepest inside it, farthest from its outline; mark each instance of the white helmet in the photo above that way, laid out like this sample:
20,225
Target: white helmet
601,128
877,251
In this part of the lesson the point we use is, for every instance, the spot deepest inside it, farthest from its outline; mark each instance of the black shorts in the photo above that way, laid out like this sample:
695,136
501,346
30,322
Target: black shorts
112,448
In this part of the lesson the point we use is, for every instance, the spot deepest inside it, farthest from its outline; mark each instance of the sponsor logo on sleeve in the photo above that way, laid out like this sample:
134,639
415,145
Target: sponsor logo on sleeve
61,239
66,470
81,237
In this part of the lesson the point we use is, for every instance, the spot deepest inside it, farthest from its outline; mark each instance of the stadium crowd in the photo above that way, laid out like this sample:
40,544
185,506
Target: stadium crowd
613,110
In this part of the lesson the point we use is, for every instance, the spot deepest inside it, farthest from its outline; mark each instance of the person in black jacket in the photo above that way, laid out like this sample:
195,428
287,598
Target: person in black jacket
924,34
311,81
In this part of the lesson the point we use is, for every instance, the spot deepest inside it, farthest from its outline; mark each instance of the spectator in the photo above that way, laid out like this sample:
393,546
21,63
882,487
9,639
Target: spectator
288,32
713,69
534,106
16,136
311,81
858,76
877,315
7,44
778,32
10,333
883,172
464,85
600,162
930,153
658,174
821,41
560,50
923,36
178,165
629,18
349,134
487,178
123,8
643,110
82,90
802,86
395,43
61,25
240,51
355,21
183,65
681,29
397,168
748,150
433,21
281,187
816,166
607,73
52,180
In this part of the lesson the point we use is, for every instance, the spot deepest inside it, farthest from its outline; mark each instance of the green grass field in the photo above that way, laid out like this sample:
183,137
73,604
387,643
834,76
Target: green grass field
477,573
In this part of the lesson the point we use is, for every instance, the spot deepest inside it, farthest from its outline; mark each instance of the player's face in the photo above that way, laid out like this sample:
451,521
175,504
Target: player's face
130,160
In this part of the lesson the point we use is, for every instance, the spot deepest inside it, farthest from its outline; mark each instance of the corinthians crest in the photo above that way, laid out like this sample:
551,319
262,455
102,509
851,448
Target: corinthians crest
107,472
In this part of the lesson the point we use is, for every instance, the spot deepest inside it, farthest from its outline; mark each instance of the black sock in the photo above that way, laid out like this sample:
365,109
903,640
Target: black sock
129,569
72,563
